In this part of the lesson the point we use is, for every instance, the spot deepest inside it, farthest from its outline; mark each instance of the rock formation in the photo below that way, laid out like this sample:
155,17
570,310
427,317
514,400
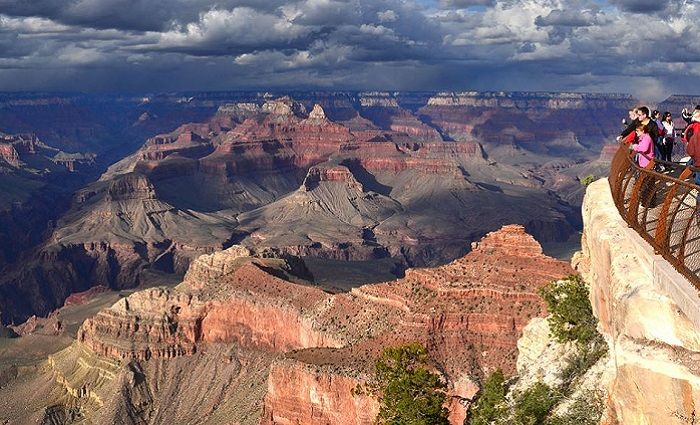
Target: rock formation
648,315
270,176
469,314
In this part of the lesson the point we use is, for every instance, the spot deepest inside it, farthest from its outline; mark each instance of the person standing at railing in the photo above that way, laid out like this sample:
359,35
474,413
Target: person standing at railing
632,117
644,146
691,138
669,138
644,119
688,116
659,140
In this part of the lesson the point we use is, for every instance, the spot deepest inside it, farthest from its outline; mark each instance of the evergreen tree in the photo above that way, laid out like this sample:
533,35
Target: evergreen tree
410,393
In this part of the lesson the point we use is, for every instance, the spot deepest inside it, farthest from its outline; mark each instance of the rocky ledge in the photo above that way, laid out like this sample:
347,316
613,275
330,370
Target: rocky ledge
648,314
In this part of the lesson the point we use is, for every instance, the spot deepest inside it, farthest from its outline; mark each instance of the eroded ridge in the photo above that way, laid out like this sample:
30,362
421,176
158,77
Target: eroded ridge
469,313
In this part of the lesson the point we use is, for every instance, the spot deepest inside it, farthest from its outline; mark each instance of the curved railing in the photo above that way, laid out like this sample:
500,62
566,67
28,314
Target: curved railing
662,207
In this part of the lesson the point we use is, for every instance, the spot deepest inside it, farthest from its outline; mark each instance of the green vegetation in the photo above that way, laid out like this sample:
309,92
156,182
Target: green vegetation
571,320
571,316
491,405
588,179
585,410
533,406
410,394
582,360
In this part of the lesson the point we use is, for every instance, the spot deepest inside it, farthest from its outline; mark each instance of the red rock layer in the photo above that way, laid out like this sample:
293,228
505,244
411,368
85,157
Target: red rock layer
469,313
608,152
9,154
274,139
318,395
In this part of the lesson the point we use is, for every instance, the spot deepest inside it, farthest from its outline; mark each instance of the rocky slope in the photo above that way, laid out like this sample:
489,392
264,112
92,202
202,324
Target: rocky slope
231,305
34,176
270,175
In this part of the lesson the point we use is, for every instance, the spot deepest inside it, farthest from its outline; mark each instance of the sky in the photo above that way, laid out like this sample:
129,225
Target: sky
648,48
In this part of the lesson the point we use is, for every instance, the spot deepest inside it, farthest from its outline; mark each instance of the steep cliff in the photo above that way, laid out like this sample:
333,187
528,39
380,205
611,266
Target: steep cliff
648,314
252,326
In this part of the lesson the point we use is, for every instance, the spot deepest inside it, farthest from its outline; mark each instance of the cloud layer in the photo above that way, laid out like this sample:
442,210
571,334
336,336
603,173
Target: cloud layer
642,47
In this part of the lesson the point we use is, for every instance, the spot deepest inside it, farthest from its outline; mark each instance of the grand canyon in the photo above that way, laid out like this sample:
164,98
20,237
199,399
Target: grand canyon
245,257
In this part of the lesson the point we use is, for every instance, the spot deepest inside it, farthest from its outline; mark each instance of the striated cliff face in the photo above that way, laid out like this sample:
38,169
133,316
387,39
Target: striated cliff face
648,314
319,395
360,177
469,313
271,346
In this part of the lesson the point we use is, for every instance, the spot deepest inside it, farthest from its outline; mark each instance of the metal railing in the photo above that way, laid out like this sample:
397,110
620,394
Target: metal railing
662,206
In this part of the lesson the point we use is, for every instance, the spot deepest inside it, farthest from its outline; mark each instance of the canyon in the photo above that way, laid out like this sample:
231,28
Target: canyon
355,177
260,239
251,259
258,325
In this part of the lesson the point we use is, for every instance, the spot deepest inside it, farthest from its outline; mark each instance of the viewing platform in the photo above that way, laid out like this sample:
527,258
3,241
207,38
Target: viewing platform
662,208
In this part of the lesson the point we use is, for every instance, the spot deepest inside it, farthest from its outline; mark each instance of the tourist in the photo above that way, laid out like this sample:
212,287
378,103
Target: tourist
644,146
659,139
632,116
643,117
692,129
669,138
688,116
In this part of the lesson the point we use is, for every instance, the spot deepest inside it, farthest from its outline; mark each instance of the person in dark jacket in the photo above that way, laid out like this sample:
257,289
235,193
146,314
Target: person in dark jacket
688,116
644,119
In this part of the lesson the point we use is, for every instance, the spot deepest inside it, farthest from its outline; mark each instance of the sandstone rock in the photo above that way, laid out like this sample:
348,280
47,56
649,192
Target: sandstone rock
9,154
211,266
317,113
540,358
651,377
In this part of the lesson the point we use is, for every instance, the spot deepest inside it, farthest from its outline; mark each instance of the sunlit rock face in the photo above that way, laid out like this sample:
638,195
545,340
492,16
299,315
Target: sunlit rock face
267,174
469,314
648,314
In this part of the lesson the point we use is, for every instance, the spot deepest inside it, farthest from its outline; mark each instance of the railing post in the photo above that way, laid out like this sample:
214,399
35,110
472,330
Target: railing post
662,235
633,212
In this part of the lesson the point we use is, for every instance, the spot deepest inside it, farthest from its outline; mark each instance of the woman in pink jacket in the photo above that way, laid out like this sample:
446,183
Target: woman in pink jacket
644,146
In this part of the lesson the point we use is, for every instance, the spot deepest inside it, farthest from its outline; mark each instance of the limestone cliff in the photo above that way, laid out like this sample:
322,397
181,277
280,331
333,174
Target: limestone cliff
648,314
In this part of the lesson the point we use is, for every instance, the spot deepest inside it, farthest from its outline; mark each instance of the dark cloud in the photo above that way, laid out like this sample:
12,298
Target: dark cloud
450,4
140,15
152,45
642,6
568,18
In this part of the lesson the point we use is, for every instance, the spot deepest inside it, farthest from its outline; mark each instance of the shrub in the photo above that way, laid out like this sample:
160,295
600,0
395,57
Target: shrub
588,179
583,359
491,406
410,394
533,405
571,316
587,409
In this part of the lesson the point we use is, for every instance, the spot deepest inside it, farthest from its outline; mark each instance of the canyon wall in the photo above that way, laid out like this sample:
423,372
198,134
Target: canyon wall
287,351
649,315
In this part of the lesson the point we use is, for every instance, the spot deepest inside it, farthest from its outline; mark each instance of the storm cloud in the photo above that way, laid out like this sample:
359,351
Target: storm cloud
641,47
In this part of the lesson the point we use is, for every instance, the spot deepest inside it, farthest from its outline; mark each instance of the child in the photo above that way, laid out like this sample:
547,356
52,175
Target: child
644,146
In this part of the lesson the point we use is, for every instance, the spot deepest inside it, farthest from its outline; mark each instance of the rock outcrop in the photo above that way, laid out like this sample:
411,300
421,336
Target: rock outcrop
648,314
469,314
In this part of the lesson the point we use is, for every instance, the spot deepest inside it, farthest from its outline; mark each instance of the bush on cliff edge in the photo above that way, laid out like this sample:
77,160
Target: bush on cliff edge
571,316
571,320
491,406
410,394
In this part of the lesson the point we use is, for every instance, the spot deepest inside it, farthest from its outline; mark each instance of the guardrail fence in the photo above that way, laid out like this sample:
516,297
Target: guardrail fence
662,207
